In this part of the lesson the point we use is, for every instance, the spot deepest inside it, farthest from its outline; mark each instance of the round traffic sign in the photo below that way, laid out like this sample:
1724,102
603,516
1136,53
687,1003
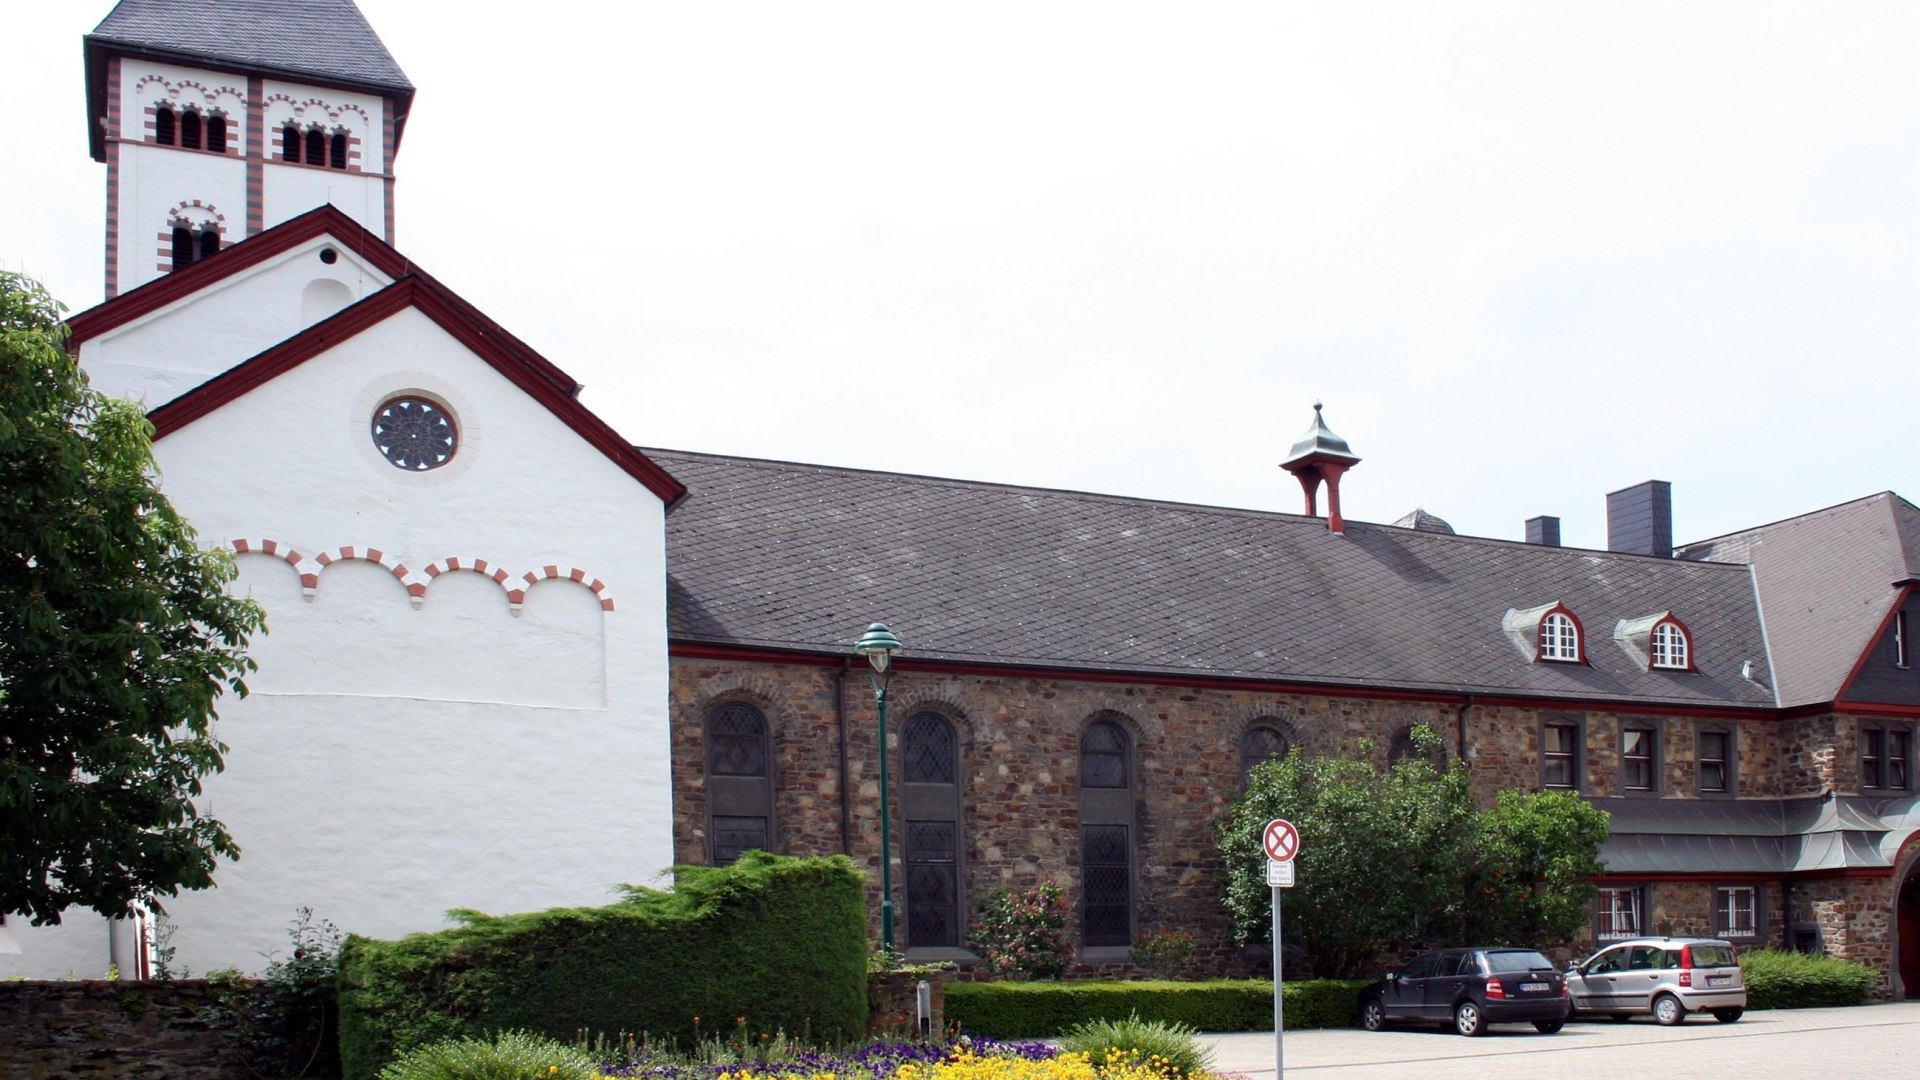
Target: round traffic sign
1281,840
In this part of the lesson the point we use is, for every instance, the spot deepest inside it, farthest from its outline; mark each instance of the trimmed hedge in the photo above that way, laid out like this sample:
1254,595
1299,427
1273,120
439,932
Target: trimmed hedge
1044,1010
779,942
1779,979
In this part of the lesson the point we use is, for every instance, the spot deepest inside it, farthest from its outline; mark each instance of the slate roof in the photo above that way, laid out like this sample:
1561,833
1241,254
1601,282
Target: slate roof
780,555
1826,585
324,41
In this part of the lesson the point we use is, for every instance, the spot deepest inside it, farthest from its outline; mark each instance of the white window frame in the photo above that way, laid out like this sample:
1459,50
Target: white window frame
1651,757
1670,648
1730,903
1727,761
1559,637
1617,921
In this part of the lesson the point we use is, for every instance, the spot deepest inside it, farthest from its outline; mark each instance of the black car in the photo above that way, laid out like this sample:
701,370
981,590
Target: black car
1469,989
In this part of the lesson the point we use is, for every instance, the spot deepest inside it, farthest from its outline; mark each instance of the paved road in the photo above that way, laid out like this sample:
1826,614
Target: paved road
1866,1043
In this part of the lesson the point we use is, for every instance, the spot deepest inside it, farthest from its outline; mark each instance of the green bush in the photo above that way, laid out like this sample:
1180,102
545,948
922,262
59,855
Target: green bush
769,943
1023,932
513,1055
1779,979
1166,1048
1031,1010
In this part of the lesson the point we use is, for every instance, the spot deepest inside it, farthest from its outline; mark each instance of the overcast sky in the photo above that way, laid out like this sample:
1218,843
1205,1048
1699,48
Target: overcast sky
1527,253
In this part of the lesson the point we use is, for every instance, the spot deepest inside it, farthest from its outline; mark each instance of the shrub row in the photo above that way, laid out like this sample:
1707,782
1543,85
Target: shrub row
768,944
1043,1010
1779,979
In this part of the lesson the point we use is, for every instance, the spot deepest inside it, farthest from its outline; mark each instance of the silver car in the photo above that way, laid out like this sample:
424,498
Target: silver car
1668,977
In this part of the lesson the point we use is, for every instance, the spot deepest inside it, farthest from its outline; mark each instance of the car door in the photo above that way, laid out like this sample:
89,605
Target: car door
1646,970
1404,996
1449,981
1592,984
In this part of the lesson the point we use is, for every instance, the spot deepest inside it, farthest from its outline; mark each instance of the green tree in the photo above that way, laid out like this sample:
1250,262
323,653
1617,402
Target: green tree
116,636
1380,854
1401,858
1535,856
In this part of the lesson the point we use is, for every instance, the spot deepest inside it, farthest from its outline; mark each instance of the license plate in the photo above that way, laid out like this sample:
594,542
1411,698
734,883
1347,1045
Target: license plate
1532,988
1719,980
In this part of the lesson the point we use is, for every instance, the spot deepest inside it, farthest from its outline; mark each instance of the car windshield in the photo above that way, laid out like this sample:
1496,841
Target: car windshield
1712,955
1518,960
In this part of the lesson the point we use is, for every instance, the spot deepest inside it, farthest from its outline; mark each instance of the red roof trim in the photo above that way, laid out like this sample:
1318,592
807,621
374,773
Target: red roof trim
485,338
700,650
230,260
1873,643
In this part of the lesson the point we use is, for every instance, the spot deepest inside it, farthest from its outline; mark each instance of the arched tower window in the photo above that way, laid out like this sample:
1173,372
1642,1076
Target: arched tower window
164,131
217,133
1106,835
190,129
184,248
337,150
316,147
739,788
930,803
290,143
209,242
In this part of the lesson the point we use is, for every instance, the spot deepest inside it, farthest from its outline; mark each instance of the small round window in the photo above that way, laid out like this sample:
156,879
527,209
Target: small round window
415,434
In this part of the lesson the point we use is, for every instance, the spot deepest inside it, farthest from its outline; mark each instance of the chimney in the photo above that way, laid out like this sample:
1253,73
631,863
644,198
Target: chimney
1640,519
1543,530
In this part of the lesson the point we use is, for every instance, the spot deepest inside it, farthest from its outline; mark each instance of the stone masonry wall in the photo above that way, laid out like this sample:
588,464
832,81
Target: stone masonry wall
108,1030
1855,917
1019,761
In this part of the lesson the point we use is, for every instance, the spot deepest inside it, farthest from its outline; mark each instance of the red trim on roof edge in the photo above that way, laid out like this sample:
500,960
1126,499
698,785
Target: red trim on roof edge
1899,601
485,338
698,650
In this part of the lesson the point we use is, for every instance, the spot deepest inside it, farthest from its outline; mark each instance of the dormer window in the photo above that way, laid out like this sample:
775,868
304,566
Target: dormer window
1550,632
1559,638
1656,642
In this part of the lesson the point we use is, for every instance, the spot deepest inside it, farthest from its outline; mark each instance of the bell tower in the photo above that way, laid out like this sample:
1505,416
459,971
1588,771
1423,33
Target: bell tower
218,119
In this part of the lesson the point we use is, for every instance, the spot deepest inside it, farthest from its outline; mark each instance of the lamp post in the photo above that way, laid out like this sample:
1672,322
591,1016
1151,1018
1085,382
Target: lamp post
878,645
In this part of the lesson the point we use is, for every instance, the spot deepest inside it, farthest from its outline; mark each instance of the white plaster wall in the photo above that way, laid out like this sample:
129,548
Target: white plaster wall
155,179
162,355
77,947
292,190
396,761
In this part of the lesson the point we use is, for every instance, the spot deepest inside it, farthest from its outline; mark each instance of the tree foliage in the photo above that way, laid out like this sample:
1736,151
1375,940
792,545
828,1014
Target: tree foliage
1398,858
116,637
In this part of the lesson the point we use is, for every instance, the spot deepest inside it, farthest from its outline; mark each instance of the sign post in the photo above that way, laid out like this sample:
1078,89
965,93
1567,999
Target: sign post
1281,841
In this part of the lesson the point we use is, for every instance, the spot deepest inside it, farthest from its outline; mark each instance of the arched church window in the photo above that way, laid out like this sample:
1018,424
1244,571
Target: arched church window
337,150
163,125
1262,742
290,143
217,133
184,248
316,147
739,790
1106,835
209,242
930,804
190,129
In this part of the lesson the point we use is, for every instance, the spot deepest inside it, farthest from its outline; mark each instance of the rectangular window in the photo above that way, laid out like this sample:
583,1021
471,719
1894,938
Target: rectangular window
1712,761
1736,911
1900,638
1637,759
1620,913
1898,749
733,835
1873,746
1560,756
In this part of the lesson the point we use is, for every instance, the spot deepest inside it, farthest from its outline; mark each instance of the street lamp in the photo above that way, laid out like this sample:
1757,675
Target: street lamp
878,645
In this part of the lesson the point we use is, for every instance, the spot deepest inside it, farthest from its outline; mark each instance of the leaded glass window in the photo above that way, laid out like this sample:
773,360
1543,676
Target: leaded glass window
415,434
933,884
737,741
1108,874
733,835
1103,756
928,749
1262,742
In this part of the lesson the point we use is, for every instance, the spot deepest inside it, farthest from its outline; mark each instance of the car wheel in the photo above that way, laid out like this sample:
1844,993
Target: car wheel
1668,1010
1373,1015
1548,1027
1727,1016
1468,1019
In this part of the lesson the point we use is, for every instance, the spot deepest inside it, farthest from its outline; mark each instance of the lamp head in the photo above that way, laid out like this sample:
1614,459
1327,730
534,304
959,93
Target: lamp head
878,645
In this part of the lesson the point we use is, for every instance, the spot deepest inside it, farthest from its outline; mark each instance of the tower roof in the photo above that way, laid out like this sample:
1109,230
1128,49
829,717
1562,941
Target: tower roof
1320,440
323,41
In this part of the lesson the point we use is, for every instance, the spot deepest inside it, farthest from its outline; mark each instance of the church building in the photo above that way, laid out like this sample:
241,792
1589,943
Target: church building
505,679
